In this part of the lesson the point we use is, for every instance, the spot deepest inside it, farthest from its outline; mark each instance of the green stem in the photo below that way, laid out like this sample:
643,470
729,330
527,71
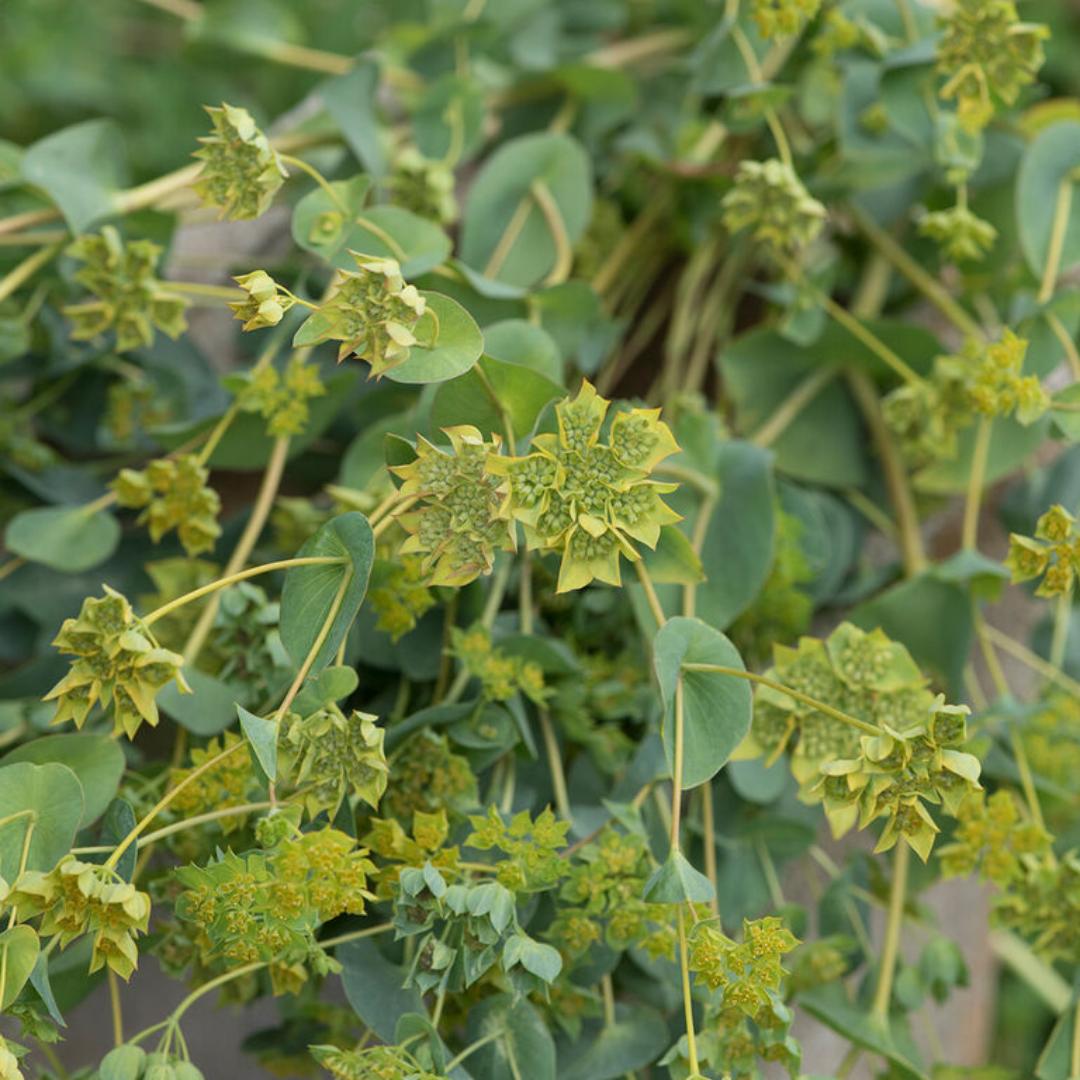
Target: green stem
655,606
483,1041
792,405
891,948
867,337
564,252
797,695
22,273
976,483
303,166
1062,617
1058,229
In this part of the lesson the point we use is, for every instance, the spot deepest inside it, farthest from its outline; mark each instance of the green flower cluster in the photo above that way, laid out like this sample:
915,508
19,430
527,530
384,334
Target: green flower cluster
370,1063
424,186
173,493
896,773
587,499
769,200
862,777
399,594
132,407
130,299
241,173
601,899
961,235
117,663
838,33
1051,738
372,312
993,839
532,862
987,56
456,526
782,18
750,1021
265,906
226,784
1043,906
332,757
981,381
1053,554
501,676
266,301
387,838
466,929
76,899
281,398
429,776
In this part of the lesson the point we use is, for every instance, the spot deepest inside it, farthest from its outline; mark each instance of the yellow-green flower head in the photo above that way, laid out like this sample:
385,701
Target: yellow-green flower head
173,494
769,201
266,301
117,663
961,235
282,398
241,173
588,498
424,186
77,898
372,312
987,56
9,1063
781,18
370,1063
1053,554
457,526
130,300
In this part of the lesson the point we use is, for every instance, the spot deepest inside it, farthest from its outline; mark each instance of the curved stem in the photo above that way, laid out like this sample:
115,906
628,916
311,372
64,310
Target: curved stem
564,252
22,273
976,483
891,947
303,166
655,606
867,337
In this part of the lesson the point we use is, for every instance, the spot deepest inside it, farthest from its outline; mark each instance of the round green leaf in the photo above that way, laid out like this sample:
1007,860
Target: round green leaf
1050,158
63,538
716,708
504,185
520,342
638,1037
96,760
49,795
458,346
309,591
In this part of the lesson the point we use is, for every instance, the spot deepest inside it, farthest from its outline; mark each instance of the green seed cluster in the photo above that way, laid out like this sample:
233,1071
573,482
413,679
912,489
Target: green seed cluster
282,398
173,493
131,1062
130,300
982,381
372,313
961,235
241,173
587,499
244,647
769,201
987,56
429,776
501,676
424,186
265,906
782,18
1043,906
76,899
333,757
226,784
531,847
456,526
118,663
1052,554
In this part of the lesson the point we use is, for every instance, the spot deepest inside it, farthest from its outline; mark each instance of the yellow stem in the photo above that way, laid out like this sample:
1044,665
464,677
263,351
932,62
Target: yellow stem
792,405
1058,229
22,273
894,923
116,1009
650,593
976,483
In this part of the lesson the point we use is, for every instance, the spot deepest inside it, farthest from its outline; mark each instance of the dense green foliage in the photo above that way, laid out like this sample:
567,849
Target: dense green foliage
489,570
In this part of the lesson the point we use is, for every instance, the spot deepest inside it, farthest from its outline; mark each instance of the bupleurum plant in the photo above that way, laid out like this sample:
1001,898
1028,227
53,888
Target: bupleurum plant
500,576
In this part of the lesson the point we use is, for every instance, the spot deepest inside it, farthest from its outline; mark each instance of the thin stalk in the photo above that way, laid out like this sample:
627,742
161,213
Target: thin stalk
976,483
708,838
688,1001
303,166
607,991
797,695
792,406
180,826
22,273
1031,660
655,606
240,575
932,289
1062,616
1058,228
1066,342
564,251
455,1061
116,1009
867,337
201,288
894,922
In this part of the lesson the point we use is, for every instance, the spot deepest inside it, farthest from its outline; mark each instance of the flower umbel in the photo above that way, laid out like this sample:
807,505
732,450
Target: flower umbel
587,498
1052,554
130,299
241,173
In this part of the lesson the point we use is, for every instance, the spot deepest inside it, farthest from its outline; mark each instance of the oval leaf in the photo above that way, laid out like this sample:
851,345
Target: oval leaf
63,538
458,346
52,797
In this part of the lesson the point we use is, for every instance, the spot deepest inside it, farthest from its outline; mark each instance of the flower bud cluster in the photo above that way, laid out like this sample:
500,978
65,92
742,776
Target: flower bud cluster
1052,554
